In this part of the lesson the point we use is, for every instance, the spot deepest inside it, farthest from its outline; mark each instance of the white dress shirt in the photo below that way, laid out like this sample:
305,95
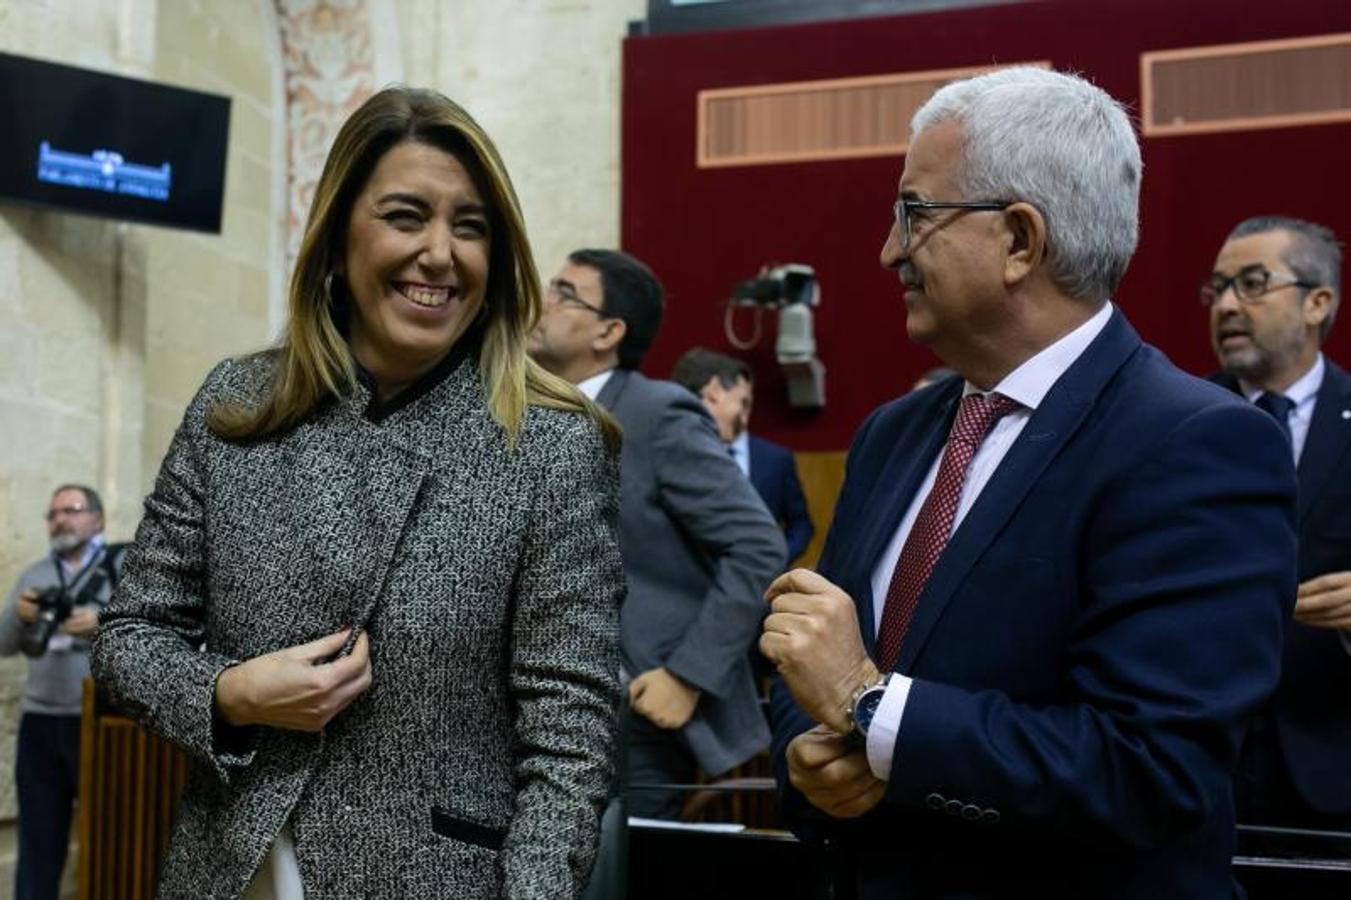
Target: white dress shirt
1028,385
592,386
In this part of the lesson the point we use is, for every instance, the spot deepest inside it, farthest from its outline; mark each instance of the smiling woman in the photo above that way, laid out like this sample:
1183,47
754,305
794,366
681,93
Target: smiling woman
417,263
375,592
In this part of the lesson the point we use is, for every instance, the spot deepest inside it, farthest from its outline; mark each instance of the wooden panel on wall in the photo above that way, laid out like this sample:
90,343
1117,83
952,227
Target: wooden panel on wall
1259,84
130,782
838,118
821,475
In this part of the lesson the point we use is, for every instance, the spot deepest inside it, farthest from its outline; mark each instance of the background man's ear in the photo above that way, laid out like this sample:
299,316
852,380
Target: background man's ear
1317,306
611,335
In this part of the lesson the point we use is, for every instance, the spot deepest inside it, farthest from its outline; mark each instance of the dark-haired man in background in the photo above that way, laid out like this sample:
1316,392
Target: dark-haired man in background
728,391
46,766
699,546
1272,298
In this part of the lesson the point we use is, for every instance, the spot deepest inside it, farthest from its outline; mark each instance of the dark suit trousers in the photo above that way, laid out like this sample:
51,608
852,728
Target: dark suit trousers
1263,791
47,775
656,757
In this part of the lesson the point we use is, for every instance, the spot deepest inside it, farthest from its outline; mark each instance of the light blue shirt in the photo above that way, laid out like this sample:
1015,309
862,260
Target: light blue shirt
1304,394
740,450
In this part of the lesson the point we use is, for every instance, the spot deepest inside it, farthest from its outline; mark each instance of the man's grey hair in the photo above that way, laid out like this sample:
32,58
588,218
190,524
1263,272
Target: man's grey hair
1061,144
1314,254
91,496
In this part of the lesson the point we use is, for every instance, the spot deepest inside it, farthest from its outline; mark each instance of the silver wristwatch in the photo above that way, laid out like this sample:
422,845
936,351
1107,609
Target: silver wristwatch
863,706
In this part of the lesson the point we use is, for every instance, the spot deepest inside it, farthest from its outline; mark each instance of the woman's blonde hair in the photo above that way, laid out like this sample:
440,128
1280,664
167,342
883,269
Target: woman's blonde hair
313,359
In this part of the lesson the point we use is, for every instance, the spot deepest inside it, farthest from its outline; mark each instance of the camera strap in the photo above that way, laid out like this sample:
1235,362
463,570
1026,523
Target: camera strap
78,579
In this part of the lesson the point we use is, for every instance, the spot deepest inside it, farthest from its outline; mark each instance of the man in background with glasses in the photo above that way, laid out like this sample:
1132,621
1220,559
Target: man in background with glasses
699,546
1272,298
1053,589
51,615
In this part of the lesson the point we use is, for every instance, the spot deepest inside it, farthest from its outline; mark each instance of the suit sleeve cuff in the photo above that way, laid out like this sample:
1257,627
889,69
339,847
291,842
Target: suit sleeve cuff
1345,635
886,725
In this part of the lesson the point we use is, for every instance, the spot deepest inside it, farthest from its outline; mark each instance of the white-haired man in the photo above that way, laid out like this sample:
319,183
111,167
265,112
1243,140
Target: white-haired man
1065,619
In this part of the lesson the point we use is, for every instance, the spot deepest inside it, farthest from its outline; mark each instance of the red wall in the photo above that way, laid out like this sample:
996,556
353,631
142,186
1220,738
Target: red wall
704,230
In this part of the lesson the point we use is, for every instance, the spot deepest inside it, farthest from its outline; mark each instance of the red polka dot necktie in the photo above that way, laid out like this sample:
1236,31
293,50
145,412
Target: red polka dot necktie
933,526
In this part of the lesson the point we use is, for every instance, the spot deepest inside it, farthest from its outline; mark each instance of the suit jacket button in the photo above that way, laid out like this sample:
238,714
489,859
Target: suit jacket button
971,813
935,801
990,816
953,807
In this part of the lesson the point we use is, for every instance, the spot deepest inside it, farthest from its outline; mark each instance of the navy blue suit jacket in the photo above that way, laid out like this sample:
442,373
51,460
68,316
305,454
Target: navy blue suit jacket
774,475
1311,711
1090,645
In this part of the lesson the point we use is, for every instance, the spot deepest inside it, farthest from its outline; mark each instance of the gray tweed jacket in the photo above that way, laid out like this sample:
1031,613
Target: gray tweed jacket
489,582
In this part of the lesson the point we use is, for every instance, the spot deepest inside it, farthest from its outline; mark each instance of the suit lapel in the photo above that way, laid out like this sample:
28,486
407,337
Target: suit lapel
1329,436
612,389
894,490
371,483
1054,422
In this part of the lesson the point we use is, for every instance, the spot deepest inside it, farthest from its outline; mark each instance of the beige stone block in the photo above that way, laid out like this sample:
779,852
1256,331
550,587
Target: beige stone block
18,360
69,371
183,264
161,421
251,184
22,450
251,126
175,316
247,67
76,439
10,307
252,300
248,233
12,674
173,373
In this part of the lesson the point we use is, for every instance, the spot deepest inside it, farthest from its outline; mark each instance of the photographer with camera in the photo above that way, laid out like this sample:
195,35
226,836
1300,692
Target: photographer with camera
51,615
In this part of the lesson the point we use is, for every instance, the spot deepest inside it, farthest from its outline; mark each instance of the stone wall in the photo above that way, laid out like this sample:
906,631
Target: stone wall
62,309
110,327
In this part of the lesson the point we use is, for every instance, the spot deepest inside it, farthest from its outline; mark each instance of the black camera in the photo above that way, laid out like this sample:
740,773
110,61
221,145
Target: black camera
779,286
54,607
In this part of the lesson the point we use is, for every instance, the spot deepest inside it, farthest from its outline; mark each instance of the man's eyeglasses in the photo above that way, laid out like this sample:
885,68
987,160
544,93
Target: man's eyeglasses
903,212
66,511
1250,285
562,292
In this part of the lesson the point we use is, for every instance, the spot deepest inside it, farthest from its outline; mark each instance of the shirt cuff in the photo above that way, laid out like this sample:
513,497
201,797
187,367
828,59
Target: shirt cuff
885,726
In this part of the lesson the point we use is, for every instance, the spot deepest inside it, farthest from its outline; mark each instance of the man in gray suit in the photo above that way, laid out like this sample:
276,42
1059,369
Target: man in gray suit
698,545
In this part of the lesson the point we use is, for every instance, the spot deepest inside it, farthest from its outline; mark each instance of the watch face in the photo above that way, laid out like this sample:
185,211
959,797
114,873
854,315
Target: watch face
867,707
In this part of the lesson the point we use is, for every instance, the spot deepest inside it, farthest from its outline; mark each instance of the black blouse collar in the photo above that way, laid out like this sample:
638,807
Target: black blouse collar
467,347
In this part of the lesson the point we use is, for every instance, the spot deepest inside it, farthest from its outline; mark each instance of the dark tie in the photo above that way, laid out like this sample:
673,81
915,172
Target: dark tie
1279,406
933,526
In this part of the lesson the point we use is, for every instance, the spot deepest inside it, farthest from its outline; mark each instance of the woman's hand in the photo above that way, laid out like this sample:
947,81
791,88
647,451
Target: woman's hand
296,688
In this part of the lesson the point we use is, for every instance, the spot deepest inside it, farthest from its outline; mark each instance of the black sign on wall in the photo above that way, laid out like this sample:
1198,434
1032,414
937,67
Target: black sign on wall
91,142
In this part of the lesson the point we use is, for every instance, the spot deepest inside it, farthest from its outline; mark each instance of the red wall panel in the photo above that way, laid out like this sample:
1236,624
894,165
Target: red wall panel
704,230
